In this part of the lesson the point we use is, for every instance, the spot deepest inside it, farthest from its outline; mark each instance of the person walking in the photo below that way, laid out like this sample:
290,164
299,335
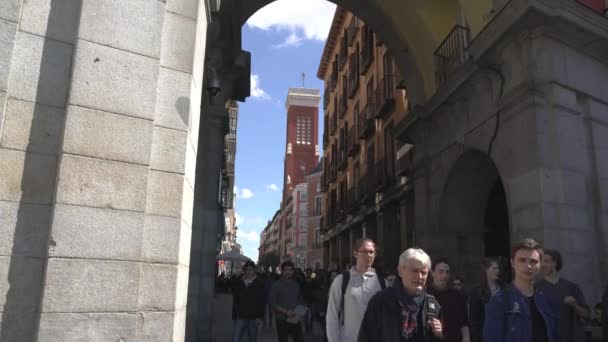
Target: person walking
350,292
520,312
480,296
453,303
404,312
248,301
565,295
285,295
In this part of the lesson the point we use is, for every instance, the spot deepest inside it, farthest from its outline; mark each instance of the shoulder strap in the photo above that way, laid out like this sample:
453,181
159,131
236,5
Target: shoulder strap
345,280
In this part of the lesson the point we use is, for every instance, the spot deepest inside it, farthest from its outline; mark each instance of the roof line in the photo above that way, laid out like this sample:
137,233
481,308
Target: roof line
330,43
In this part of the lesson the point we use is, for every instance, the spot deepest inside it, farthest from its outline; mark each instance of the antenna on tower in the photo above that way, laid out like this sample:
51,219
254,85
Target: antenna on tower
303,79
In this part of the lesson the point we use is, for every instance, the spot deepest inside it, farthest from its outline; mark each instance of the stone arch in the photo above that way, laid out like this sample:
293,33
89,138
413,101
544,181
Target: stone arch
473,213
375,15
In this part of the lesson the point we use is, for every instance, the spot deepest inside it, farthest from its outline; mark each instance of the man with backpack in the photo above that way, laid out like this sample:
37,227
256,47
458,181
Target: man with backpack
404,312
521,312
350,292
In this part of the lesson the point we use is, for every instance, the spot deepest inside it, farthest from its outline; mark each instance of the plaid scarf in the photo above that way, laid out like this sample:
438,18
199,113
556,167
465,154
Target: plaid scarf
409,320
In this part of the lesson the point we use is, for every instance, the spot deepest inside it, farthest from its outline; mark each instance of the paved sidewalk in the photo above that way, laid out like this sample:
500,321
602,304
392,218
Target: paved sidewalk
222,324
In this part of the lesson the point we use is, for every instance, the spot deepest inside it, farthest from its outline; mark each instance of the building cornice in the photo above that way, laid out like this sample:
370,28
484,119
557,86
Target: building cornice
303,97
332,40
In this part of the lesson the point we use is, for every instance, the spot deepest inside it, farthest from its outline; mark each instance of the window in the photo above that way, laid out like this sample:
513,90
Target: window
318,206
303,130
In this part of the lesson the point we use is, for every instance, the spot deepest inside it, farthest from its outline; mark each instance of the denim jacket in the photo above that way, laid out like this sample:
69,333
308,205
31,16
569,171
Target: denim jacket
516,314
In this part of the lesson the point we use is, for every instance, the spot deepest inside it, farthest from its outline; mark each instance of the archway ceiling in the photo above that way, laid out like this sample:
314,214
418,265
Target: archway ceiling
420,25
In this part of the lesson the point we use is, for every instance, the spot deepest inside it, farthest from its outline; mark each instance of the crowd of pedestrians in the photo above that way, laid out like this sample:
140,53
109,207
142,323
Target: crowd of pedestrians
422,302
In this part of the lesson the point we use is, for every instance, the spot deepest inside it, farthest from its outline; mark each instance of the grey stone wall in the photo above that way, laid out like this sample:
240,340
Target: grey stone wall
99,122
549,149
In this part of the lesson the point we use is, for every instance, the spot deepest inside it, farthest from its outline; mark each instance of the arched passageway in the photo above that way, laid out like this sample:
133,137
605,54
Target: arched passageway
473,215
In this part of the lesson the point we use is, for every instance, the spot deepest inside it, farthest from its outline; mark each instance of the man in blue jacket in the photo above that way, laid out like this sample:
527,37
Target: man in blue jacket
520,312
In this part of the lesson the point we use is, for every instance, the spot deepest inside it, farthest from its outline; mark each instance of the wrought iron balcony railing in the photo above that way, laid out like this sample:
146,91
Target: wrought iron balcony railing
343,54
366,121
367,52
353,141
342,104
351,33
452,53
384,96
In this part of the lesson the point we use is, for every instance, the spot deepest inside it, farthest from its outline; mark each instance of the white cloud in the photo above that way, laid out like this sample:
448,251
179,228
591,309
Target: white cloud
301,20
246,194
250,236
256,91
272,187
238,219
292,40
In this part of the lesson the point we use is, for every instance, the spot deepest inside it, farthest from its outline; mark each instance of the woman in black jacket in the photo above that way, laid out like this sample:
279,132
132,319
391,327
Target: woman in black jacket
480,295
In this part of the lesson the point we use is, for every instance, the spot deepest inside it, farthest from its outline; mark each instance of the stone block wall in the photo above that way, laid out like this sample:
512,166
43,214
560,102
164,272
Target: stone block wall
99,113
548,133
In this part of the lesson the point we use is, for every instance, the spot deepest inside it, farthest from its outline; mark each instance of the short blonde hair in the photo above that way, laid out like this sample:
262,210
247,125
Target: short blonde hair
415,254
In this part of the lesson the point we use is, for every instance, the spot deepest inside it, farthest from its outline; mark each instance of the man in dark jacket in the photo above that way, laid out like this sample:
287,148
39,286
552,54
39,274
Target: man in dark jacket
521,312
404,312
248,301
454,305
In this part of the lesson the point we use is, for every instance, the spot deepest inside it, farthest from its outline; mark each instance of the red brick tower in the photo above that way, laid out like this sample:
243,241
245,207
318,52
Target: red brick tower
302,145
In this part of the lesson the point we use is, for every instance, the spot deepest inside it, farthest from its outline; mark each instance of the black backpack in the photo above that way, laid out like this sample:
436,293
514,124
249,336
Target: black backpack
345,280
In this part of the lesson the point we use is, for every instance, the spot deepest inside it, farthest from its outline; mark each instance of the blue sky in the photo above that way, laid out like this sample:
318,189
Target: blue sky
285,39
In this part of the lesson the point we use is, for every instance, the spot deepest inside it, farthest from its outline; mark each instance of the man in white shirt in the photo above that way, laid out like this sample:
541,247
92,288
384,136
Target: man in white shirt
345,308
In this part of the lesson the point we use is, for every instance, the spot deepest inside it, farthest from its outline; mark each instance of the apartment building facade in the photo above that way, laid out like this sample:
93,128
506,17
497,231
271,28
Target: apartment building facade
314,246
365,184
228,199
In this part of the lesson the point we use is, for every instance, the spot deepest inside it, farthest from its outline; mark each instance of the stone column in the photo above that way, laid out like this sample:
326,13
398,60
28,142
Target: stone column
99,139
36,48
208,222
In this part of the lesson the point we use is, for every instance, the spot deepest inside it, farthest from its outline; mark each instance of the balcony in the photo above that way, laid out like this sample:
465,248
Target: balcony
365,121
351,33
326,97
342,158
333,123
352,199
343,54
384,96
324,183
403,166
333,80
343,105
367,52
353,84
353,142
366,188
381,175
331,177
451,54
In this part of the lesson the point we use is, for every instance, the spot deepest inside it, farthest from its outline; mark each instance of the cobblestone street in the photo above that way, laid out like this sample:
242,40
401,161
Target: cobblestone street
222,325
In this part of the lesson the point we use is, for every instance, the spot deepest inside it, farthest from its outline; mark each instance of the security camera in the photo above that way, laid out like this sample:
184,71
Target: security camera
214,85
